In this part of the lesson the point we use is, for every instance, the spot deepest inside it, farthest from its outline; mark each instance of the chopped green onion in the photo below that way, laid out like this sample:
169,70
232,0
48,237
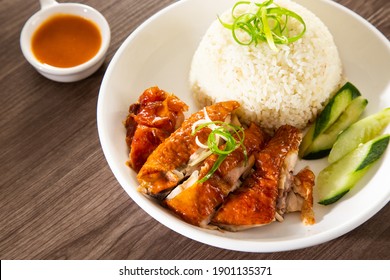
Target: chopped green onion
215,166
267,24
221,130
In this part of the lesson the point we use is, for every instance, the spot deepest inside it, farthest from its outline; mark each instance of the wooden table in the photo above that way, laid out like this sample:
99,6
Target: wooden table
58,197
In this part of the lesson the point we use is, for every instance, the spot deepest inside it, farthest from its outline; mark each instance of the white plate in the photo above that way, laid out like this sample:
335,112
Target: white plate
159,53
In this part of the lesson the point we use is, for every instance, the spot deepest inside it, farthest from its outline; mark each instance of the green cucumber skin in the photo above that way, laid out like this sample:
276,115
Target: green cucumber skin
317,155
354,91
306,141
322,145
336,105
377,148
333,199
351,175
324,120
355,135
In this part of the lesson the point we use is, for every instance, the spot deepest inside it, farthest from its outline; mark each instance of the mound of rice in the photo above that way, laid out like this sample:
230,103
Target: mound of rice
290,86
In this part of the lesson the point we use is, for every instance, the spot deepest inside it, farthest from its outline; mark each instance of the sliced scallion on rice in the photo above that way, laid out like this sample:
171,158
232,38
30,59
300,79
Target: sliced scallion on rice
265,22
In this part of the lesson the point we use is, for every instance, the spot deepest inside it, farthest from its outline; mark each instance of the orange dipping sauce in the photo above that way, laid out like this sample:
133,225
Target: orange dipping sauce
66,41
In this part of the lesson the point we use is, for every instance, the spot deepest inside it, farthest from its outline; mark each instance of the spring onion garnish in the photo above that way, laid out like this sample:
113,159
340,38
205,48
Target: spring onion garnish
221,141
264,21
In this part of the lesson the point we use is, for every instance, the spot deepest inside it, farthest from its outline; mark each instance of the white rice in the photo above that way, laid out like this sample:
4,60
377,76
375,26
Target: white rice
290,86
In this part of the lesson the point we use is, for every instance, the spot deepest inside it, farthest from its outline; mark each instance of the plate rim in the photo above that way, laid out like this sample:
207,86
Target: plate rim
202,235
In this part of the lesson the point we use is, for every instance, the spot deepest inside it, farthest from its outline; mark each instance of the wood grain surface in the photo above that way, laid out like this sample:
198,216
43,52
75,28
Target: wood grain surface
58,197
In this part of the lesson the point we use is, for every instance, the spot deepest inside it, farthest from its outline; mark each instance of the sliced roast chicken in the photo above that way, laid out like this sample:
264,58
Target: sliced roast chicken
162,170
271,190
196,201
253,186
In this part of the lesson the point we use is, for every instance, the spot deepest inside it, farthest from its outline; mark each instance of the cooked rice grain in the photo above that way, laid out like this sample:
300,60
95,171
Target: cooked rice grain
290,86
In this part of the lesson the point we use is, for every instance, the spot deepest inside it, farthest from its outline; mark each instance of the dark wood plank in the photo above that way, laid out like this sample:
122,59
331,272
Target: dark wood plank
58,197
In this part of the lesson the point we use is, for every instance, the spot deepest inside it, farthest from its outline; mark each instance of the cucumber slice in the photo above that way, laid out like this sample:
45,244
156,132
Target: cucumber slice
307,140
321,146
358,133
336,107
332,111
338,178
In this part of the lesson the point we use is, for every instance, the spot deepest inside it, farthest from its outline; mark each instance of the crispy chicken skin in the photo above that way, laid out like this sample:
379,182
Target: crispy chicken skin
145,140
255,202
160,173
197,203
251,205
150,121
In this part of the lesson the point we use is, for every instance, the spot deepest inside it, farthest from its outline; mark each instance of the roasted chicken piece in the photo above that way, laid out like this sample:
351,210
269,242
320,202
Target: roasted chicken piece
162,170
194,201
150,121
255,202
301,197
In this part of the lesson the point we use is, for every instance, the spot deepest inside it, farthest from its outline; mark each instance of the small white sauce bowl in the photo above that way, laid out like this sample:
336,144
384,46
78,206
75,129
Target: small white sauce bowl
70,74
